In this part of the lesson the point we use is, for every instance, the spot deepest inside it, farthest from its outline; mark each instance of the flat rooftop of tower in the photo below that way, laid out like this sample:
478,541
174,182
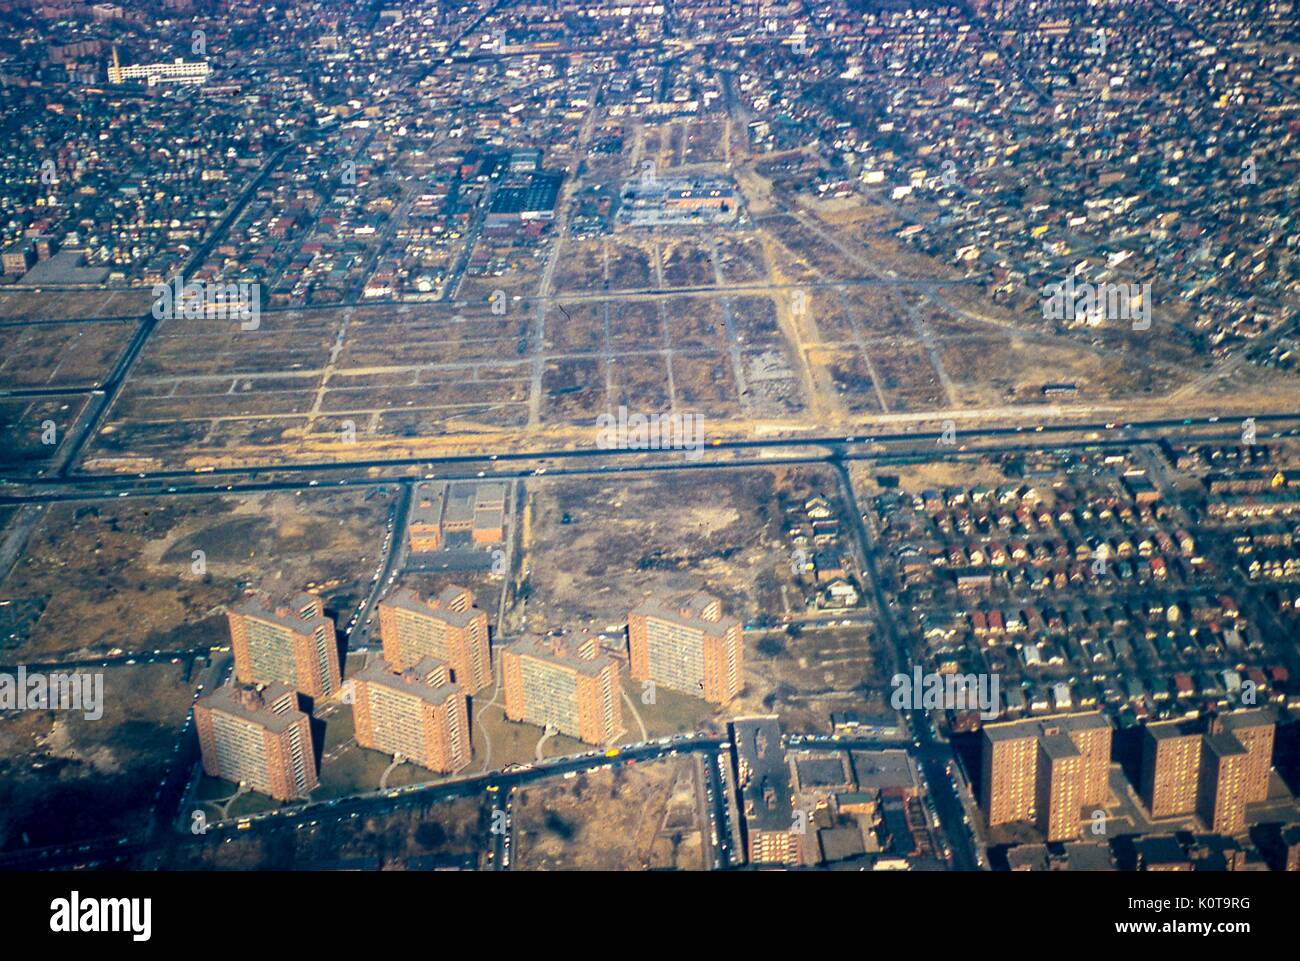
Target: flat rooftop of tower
284,612
1224,744
1176,728
404,598
563,651
687,610
256,705
414,680
1041,726
1241,720
1058,746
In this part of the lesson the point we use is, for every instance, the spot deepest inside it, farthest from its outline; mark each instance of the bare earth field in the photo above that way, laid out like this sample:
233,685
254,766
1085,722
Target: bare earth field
430,378
64,776
595,550
122,573
74,304
60,355
32,431
806,677
629,817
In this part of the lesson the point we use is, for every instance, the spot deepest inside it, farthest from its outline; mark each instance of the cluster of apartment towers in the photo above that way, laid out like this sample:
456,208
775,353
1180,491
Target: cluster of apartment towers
413,700
1053,771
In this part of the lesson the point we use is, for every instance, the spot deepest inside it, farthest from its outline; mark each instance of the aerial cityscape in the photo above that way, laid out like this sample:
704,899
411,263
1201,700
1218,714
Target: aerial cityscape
699,435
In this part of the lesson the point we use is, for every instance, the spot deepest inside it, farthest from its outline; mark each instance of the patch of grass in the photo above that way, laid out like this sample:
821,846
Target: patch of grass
252,803
355,771
671,713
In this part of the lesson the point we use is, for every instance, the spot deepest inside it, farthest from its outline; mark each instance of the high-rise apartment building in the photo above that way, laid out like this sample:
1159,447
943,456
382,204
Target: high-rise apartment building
1059,794
419,714
1255,729
447,628
565,682
1221,799
1211,768
258,737
290,643
1171,767
1047,771
685,644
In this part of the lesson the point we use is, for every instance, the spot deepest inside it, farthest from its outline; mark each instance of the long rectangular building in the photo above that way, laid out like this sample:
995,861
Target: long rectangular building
177,71
447,627
289,643
685,644
564,682
418,714
259,737
774,833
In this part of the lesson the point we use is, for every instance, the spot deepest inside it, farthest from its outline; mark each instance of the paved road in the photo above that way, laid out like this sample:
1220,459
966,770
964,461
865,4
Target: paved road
390,562
1160,428
920,445
932,755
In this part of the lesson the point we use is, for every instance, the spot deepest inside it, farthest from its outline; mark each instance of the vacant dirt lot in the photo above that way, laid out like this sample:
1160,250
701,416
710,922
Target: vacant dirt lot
64,776
125,573
594,550
631,817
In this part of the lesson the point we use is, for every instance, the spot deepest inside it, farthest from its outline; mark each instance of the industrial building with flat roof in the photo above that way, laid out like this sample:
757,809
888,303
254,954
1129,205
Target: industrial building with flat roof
773,835
444,514
524,196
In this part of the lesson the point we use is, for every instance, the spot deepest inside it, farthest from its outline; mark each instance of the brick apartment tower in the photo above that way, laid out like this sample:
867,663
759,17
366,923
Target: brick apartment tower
447,628
1171,768
1046,771
1059,795
685,644
1255,729
1221,799
1211,769
258,737
417,713
566,682
289,643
